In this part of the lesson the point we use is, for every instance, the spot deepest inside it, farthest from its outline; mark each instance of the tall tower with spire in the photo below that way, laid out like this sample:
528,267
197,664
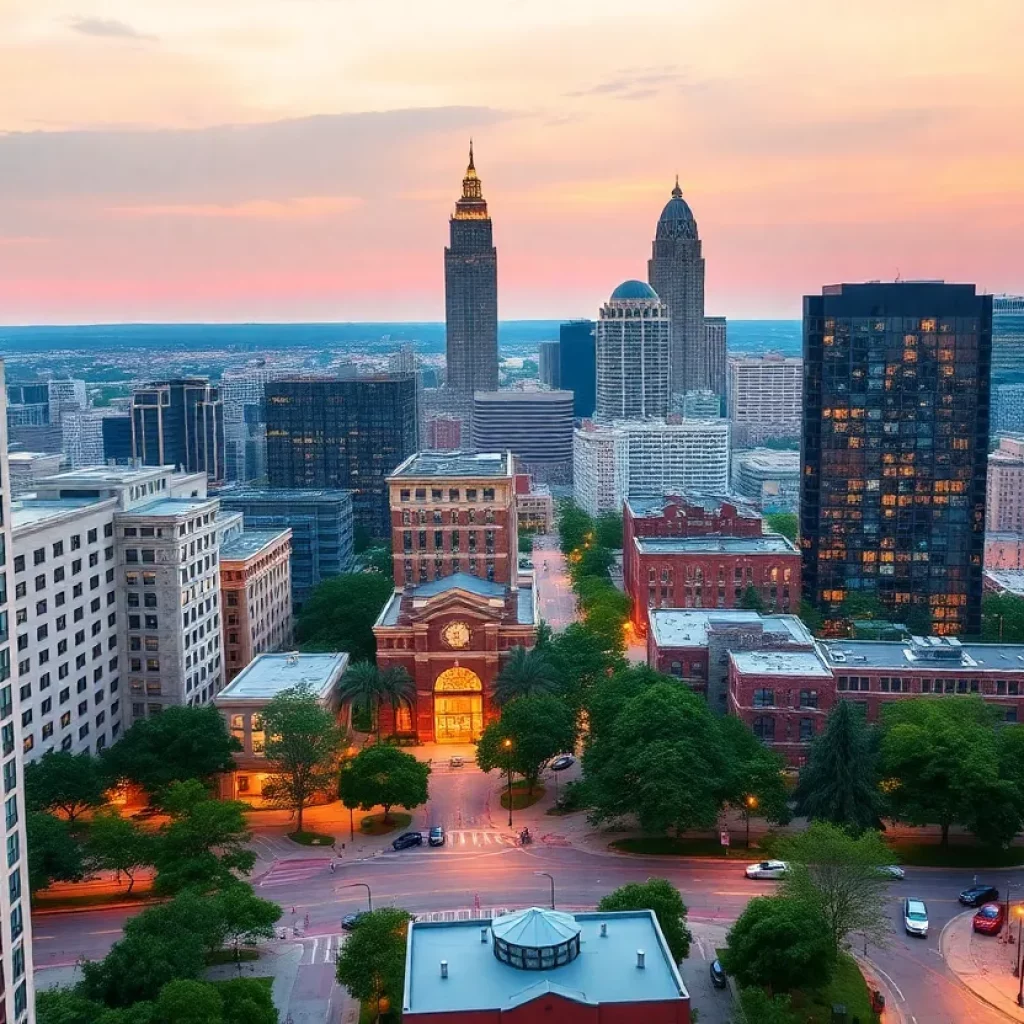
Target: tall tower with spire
676,272
471,292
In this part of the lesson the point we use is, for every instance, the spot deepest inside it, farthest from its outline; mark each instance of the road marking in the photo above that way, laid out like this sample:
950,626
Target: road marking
43,938
896,987
312,955
108,931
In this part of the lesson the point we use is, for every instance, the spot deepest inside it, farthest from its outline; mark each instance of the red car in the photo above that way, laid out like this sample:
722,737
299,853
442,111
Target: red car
989,919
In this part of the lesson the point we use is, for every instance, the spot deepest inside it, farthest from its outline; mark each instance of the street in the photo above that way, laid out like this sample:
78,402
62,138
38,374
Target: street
556,601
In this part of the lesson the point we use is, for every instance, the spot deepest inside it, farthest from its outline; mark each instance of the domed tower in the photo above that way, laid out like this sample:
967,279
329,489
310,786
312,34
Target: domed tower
471,292
676,272
632,355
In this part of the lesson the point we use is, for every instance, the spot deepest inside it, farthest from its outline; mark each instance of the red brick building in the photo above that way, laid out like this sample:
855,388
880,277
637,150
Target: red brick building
444,433
452,635
453,512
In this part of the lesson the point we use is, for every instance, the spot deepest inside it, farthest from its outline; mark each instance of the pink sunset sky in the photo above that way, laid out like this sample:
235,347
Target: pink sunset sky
222,160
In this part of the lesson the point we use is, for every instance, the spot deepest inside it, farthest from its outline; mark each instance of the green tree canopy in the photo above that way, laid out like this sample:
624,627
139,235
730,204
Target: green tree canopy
594,560
761,1008
779,943
247,1001
65,1006
119,844
398,688
303,746
363,685
1002,619
54,852
581,657
838,875
839,783
371,963
537,727
609,530
383,775
189,1002
245,918
661,896
785,523
379,560
574,527
180,744
340,613
757,785
64,782
751,599
526,672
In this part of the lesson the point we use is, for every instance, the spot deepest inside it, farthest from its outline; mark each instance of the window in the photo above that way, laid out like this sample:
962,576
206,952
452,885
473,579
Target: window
764,727
808,698
764,698
58,549
806,729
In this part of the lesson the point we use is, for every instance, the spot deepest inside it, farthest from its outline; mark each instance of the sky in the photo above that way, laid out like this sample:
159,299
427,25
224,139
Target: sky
280,160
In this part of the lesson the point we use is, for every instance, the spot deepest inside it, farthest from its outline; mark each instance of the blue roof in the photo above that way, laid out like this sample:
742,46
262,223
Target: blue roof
248,542
268,674
634,290
677,220
460,581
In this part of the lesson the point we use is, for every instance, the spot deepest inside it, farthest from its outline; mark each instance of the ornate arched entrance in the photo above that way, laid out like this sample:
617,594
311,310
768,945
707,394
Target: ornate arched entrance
458,706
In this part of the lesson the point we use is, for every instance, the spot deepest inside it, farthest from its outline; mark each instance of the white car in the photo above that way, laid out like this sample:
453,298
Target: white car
767,869
892,871
915,917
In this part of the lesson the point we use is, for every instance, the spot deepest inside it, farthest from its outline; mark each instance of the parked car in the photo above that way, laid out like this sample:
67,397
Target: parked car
562,762
978,894
989,920
350,922
717,974
407,839
456,761
892,871
436,837
915,917
767,869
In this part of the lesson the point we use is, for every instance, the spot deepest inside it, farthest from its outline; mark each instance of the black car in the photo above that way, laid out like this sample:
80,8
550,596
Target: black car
407,839
436,837
978,894
350,922
562,762
717,974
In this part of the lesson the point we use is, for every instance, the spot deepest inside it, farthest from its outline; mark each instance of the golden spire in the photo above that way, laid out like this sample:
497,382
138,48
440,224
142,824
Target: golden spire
677,192
472,166
472,205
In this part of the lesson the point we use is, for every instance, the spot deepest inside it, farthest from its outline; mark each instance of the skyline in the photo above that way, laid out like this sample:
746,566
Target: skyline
302,165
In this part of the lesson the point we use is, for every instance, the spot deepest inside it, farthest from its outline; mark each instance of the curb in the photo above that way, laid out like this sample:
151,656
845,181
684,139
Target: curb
967,988
53,911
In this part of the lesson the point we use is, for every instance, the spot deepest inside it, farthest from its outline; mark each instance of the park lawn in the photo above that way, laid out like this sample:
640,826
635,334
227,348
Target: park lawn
520,797
306,838
668,846
227,956
41,902
932,855
847,987
374,825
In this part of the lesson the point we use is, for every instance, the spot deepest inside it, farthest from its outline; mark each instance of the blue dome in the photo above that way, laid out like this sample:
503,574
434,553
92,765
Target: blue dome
635,290
677,220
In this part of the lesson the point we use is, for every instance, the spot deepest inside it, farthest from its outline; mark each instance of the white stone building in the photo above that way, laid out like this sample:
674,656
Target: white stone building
771,479
600,468
27,468
764,397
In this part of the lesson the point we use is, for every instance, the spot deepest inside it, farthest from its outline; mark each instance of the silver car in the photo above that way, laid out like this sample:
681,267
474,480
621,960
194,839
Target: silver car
768,869
915,917
892,871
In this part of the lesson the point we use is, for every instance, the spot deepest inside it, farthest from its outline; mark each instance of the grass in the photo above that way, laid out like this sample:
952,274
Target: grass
932,855
374,824
227,956
847,987
521,798
667,846
305,838
40,901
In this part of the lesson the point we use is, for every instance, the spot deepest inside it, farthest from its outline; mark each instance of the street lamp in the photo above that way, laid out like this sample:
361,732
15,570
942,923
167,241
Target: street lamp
507,744
552,878
369,895
750,804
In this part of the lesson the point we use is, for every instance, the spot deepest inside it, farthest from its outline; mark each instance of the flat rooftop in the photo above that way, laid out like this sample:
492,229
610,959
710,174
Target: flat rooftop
268,674
770,461
248,543
110,476
450,464
554,396
31,512
605,970
30,457
1011,580
781,663
655,505
769,544
172,507
690,627
849,655
283,496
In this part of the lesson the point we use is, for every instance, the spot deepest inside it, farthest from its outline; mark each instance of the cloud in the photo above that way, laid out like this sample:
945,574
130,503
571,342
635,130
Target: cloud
255,209
107,28
633,83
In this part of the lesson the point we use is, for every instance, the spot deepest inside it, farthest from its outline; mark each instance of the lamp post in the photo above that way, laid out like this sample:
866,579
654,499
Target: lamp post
552,879
369,895
507,744
749,805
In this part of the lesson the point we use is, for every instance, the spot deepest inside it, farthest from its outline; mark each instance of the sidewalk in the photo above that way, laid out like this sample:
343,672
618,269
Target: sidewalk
983,963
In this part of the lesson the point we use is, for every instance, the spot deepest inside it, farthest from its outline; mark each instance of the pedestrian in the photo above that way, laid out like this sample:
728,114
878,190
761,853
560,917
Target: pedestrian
305,921
332,867
293,911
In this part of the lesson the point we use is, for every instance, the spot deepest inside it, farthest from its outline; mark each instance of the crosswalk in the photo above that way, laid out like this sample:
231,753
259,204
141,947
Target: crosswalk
320,949
294,869
466,839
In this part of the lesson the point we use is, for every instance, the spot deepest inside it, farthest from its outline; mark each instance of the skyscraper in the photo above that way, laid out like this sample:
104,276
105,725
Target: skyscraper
1007,338
536,426
471,292
633,354
895,437
548,364
577,365
676,272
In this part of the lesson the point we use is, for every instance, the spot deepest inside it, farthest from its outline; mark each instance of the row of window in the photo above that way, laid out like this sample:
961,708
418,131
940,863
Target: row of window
454,542
437,517
764,728
438,494
765,698
885,684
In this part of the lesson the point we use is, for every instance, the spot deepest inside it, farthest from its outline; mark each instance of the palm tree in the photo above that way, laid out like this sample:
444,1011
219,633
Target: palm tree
526,673
362,684
398,686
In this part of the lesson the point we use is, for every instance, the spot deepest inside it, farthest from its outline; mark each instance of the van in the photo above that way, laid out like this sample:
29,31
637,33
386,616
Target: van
915,917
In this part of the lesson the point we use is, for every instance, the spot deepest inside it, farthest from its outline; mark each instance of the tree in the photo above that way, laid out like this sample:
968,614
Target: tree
189,1002
362,685
839,783
245,917
205,842
247,1001
761,1008
398,687
65,782
838,875
574,526
340,613
526,542
594,560
119,844
811,617
609,530
785,523
661,896
379,560
778,943
180,744
383,775
54,853
191,912
65,1006
525,673
1002,618
371,964
858,605
581,657
538,727
751,599
758,786
302,746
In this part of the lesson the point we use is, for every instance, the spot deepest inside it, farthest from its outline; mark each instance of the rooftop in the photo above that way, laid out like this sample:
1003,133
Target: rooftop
923,654
604,972
31,512
109,476
633,291
781,663
172,507
460,581
462,464
268,674
766,458
525,608
655,505
689,627
30,457
768,544
282,496
248,543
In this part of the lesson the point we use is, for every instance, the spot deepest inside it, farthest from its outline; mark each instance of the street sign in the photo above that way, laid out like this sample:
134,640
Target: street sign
724,835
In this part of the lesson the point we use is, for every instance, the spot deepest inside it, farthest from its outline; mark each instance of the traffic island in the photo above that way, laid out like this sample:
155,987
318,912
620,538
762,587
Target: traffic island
983,963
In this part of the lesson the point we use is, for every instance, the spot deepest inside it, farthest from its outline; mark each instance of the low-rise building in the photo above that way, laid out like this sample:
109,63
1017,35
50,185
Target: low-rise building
1004,581
1004,499
28,468
1004,551
256,593
543,966
242,700
535,508
770,479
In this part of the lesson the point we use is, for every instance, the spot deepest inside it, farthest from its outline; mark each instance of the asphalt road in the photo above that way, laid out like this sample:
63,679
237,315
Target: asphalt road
556,601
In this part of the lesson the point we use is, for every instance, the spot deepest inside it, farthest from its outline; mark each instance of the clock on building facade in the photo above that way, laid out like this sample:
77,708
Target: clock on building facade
456,635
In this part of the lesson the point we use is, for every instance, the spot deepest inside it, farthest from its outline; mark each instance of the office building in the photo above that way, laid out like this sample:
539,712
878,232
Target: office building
27,468
536,426
35,413
632,355
1007,409
895,439
701,405
764,398
452,513
321,524
676,272
1004,503
600,468
713,356
1004,550
342,434
82,436
17,992
769,478
471,292
242,392
28,405
256,595
1007,338
117,439
444,434
577,365
535,508
179,423
548,364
